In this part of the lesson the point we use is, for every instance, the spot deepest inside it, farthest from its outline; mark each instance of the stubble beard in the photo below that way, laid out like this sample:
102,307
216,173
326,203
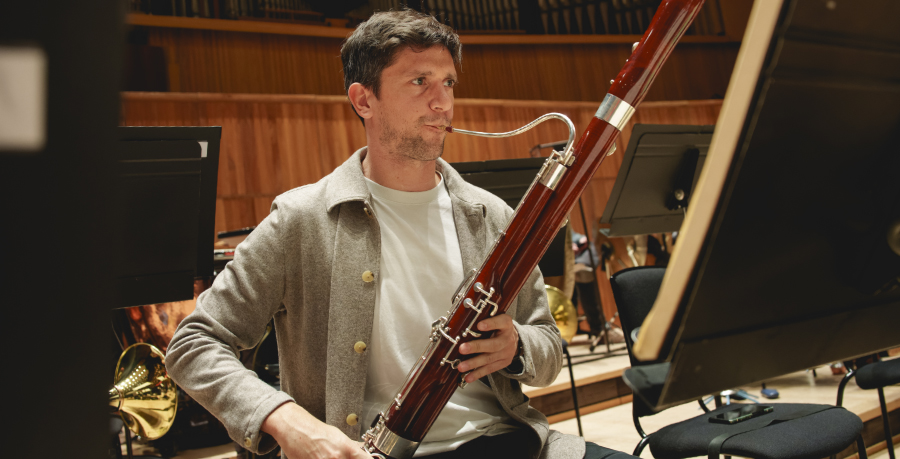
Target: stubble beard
411,145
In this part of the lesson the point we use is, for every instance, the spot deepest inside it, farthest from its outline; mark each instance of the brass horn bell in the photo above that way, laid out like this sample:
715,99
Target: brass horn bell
564,312
143,393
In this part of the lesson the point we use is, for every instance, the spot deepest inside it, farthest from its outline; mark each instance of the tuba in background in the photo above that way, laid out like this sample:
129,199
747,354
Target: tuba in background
564,312
143,394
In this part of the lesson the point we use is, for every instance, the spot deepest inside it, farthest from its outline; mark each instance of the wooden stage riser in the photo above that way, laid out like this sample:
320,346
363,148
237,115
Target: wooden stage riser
873,431
559,402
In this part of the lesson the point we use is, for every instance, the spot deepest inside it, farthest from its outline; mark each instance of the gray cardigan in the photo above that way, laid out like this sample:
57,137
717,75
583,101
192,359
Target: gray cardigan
304,265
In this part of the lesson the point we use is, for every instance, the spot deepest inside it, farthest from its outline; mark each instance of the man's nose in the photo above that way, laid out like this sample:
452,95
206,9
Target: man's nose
442,99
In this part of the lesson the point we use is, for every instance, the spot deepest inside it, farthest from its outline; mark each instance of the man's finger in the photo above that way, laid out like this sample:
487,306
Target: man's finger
476,362
492,344
500,322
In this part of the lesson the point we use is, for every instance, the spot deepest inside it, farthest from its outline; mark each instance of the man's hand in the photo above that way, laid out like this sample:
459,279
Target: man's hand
495,353
301,435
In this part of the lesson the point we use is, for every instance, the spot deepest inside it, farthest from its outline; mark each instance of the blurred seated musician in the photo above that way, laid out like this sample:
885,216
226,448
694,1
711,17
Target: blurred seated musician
354,268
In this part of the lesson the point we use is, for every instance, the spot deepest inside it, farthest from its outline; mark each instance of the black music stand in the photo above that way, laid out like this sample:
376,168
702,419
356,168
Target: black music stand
509,179
659,170
165,212
791,250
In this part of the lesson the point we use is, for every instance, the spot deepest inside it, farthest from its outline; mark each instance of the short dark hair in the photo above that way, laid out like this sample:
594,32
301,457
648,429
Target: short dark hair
372,47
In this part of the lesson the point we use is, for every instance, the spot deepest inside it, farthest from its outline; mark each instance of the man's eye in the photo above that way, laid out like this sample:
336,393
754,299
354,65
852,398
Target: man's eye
450,83
418,81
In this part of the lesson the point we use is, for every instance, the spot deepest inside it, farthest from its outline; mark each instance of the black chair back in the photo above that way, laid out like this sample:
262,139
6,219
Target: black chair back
635,290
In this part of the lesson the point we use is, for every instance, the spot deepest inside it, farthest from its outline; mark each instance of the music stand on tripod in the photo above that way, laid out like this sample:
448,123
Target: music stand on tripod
659,170
604,332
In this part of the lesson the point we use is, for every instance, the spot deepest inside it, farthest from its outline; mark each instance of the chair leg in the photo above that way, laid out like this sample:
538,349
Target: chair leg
128,443
640,446
887,424
842,385
574,392
861,447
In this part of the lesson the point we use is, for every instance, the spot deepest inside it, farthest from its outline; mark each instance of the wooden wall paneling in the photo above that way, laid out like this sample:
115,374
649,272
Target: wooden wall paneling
237,62
234,62
233,172
236,212
582,72
264,150
735,14
334,30
342,133
299,141
544,72
167,110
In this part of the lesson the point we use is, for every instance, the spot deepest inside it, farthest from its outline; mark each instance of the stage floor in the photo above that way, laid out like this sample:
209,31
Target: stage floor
608,423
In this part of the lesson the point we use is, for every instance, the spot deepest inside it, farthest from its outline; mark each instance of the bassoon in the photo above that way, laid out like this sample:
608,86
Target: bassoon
489,290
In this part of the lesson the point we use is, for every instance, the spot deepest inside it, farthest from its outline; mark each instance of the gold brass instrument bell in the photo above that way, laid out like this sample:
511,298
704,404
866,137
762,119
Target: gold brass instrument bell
143,394
564,312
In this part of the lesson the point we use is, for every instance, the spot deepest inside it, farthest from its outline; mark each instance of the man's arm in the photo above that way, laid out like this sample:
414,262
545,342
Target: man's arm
301,435
232,316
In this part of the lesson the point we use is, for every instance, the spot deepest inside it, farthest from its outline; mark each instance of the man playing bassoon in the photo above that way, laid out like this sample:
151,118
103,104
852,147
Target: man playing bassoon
354,268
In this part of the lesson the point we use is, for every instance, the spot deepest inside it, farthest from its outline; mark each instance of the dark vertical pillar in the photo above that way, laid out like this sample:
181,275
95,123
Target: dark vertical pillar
54,285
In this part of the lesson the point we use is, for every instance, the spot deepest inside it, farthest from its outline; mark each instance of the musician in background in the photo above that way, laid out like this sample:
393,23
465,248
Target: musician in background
354,269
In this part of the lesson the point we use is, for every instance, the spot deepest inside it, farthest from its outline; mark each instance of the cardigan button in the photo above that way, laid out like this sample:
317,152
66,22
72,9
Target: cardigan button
359,347
367,211
248,442
352,419
367,276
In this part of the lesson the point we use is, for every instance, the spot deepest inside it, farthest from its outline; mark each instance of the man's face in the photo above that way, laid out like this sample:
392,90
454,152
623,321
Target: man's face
415,100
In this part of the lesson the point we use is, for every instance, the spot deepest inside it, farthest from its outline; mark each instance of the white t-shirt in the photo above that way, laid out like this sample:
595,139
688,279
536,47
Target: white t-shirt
421,267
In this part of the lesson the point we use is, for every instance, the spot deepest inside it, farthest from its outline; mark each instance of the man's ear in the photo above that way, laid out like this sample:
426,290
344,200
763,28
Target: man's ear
359,97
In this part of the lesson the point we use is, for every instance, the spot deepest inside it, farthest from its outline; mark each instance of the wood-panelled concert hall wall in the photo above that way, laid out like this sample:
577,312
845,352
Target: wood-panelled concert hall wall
255,63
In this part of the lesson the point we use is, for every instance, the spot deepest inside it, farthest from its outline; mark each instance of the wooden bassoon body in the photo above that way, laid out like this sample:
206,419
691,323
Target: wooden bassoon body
400,428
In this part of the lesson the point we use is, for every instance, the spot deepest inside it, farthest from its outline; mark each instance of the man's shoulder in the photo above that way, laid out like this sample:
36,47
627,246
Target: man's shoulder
490,200
344,183
306,197
474,194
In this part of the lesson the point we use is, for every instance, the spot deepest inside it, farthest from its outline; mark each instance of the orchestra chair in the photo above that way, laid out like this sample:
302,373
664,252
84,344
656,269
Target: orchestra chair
875,375
789,431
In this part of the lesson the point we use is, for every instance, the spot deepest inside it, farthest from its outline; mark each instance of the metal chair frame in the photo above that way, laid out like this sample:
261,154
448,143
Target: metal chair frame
884,412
